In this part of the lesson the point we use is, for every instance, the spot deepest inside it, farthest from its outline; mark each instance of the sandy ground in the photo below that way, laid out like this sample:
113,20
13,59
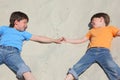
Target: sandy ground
57,18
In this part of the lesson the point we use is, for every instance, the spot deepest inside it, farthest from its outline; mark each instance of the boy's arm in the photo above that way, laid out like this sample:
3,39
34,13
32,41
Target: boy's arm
43,39
76,41
118,33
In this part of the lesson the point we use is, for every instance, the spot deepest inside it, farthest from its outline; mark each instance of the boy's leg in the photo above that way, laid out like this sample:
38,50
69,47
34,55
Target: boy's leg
109,66
69,77
1,58
87,60
17,65
28,76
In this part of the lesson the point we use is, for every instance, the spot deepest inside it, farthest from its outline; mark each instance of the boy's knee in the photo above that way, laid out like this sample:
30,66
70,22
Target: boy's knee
22,69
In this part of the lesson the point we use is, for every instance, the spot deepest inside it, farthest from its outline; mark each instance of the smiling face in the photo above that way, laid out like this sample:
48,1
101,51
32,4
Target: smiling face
98,22
21,25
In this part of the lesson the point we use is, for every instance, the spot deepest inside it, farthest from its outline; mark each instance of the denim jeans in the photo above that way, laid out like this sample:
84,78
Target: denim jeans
102,57
10,56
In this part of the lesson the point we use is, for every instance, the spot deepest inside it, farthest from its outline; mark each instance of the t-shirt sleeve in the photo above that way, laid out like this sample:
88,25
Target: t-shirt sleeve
88,35
27,35
1,30
114,31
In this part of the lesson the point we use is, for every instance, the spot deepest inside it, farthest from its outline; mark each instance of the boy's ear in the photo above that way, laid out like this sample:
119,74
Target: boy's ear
16,21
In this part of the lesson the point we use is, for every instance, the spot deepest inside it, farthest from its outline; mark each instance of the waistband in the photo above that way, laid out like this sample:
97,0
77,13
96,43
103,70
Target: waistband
8,47
98,48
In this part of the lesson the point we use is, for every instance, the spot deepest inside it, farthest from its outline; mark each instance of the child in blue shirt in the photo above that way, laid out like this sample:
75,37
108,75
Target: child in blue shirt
11,41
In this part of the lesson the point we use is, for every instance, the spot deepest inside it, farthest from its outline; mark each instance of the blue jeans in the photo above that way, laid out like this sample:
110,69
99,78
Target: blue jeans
97,55
10,56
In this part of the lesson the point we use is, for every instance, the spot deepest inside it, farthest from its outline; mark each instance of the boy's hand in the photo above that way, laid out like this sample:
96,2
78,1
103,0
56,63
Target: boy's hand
58,41
64,40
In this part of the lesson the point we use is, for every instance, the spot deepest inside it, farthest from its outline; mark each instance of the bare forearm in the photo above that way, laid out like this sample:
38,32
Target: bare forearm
42,39
76,41
45,39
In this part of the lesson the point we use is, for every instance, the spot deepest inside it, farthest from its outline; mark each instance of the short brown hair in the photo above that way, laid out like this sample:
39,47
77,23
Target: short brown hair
17,15
104,15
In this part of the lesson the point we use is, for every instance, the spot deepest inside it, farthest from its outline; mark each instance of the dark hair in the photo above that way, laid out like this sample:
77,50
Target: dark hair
104,15
17,16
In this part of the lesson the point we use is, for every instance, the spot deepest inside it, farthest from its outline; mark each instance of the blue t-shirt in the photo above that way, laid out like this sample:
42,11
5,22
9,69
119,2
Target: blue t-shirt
12,37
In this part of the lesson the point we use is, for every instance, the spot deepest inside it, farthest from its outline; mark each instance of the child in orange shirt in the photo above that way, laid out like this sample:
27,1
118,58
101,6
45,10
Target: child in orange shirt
100,37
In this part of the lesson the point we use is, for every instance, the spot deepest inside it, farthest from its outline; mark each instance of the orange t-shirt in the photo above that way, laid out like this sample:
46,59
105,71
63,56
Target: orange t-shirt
101,37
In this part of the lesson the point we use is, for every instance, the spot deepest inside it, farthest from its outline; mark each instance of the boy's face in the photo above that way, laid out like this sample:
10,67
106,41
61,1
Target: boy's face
98,22
21,25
